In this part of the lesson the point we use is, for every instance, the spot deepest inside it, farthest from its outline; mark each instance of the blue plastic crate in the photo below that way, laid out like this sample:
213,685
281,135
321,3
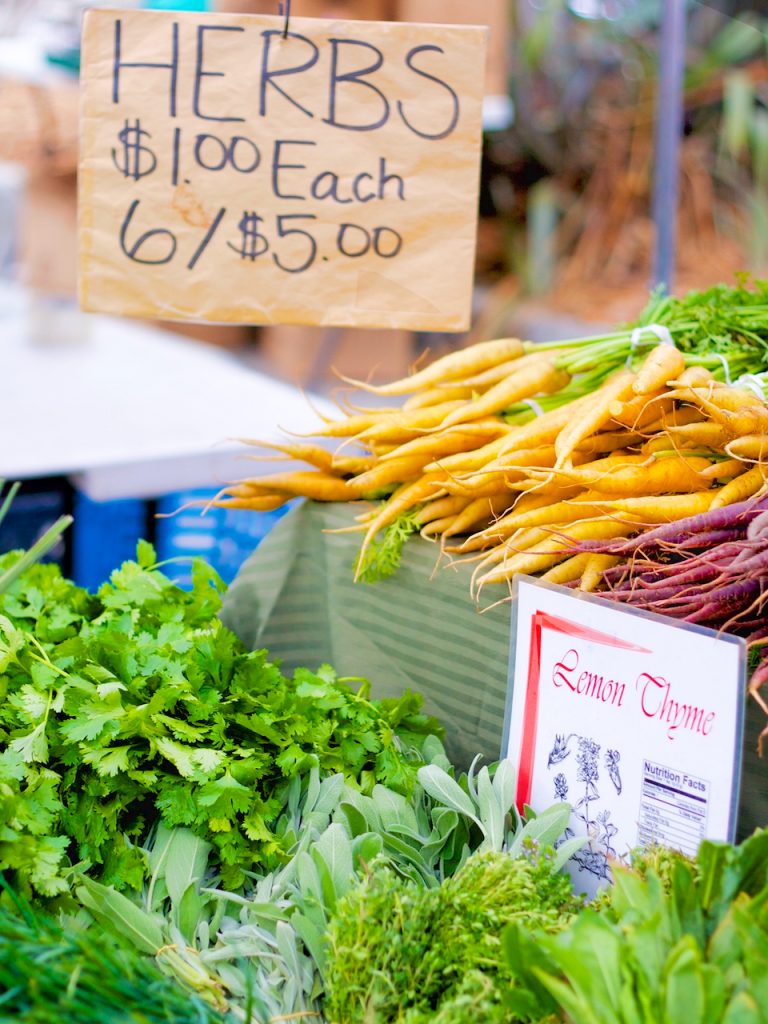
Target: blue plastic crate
36,507
105,534
223,537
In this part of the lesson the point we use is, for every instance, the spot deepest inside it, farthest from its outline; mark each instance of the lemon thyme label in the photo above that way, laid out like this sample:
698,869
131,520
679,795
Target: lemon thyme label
655,697
237,169
623,715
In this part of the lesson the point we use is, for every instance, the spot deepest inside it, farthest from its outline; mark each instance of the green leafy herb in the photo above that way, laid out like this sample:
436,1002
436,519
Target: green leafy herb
724,328
673,940
383,556
273,934
399,952
138,701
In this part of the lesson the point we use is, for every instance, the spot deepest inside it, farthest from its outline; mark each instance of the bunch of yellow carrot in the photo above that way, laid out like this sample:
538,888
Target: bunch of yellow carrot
490,452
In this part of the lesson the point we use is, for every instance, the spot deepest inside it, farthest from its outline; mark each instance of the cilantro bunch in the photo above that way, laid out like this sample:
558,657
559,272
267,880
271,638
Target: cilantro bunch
136,702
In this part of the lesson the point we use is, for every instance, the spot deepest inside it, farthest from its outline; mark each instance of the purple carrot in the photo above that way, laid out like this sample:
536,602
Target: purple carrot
705,539
756,562
719,554
758,527
695,569
617,573
729,600
727,518
650,544
703,572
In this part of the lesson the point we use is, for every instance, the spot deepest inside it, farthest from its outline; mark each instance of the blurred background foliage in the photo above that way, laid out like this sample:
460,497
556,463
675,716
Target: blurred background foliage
567,187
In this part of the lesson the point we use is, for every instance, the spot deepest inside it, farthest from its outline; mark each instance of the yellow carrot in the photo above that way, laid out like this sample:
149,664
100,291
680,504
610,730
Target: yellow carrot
404,426
704,434
685,415
468,461
569,570
723,396
464,363
743,487
592,575
304,483
662,443
555,548
549,487
344,465
637,412
441,507
656,509
513,546
545,428
738,410
486,379
314,454
537,378
607,441
751,447
497,473
592,417
489,487
391,472
521,502
725,469
261,503
673,475
464,438
476,511
693,377
344,428
662,363
436,396
559,512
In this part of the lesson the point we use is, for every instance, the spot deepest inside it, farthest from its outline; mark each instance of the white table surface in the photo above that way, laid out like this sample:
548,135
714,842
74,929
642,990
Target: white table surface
126,410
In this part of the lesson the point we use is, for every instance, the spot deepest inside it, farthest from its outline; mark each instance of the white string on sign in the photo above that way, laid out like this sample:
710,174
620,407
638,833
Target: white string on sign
659,330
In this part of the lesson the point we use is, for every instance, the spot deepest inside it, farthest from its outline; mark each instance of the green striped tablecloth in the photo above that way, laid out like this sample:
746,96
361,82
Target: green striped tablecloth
418,630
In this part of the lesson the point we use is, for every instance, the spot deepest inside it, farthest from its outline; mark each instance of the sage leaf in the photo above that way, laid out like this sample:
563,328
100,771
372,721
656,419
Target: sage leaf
186,862
491,814
505,784
118,914
393,809
335,848
446,790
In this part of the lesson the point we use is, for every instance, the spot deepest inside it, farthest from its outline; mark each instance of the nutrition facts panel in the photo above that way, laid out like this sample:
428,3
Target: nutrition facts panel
673,808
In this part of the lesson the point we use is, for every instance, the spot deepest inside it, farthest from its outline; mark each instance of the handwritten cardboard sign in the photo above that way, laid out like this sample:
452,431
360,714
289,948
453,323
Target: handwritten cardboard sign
230,172
632,718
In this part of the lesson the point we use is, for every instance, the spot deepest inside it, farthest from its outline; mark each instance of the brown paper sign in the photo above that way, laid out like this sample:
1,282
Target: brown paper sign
232,173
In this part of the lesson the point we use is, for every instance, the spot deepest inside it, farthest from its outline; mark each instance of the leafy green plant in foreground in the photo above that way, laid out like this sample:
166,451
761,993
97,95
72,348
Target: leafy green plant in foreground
265,951
677,942
50,975
138,702
399,952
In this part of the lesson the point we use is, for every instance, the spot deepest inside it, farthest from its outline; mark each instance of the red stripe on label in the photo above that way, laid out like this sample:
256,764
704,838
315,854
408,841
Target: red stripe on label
539,621
530,713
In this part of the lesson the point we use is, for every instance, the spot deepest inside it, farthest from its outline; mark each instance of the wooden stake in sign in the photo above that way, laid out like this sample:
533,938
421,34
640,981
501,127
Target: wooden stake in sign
241,169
